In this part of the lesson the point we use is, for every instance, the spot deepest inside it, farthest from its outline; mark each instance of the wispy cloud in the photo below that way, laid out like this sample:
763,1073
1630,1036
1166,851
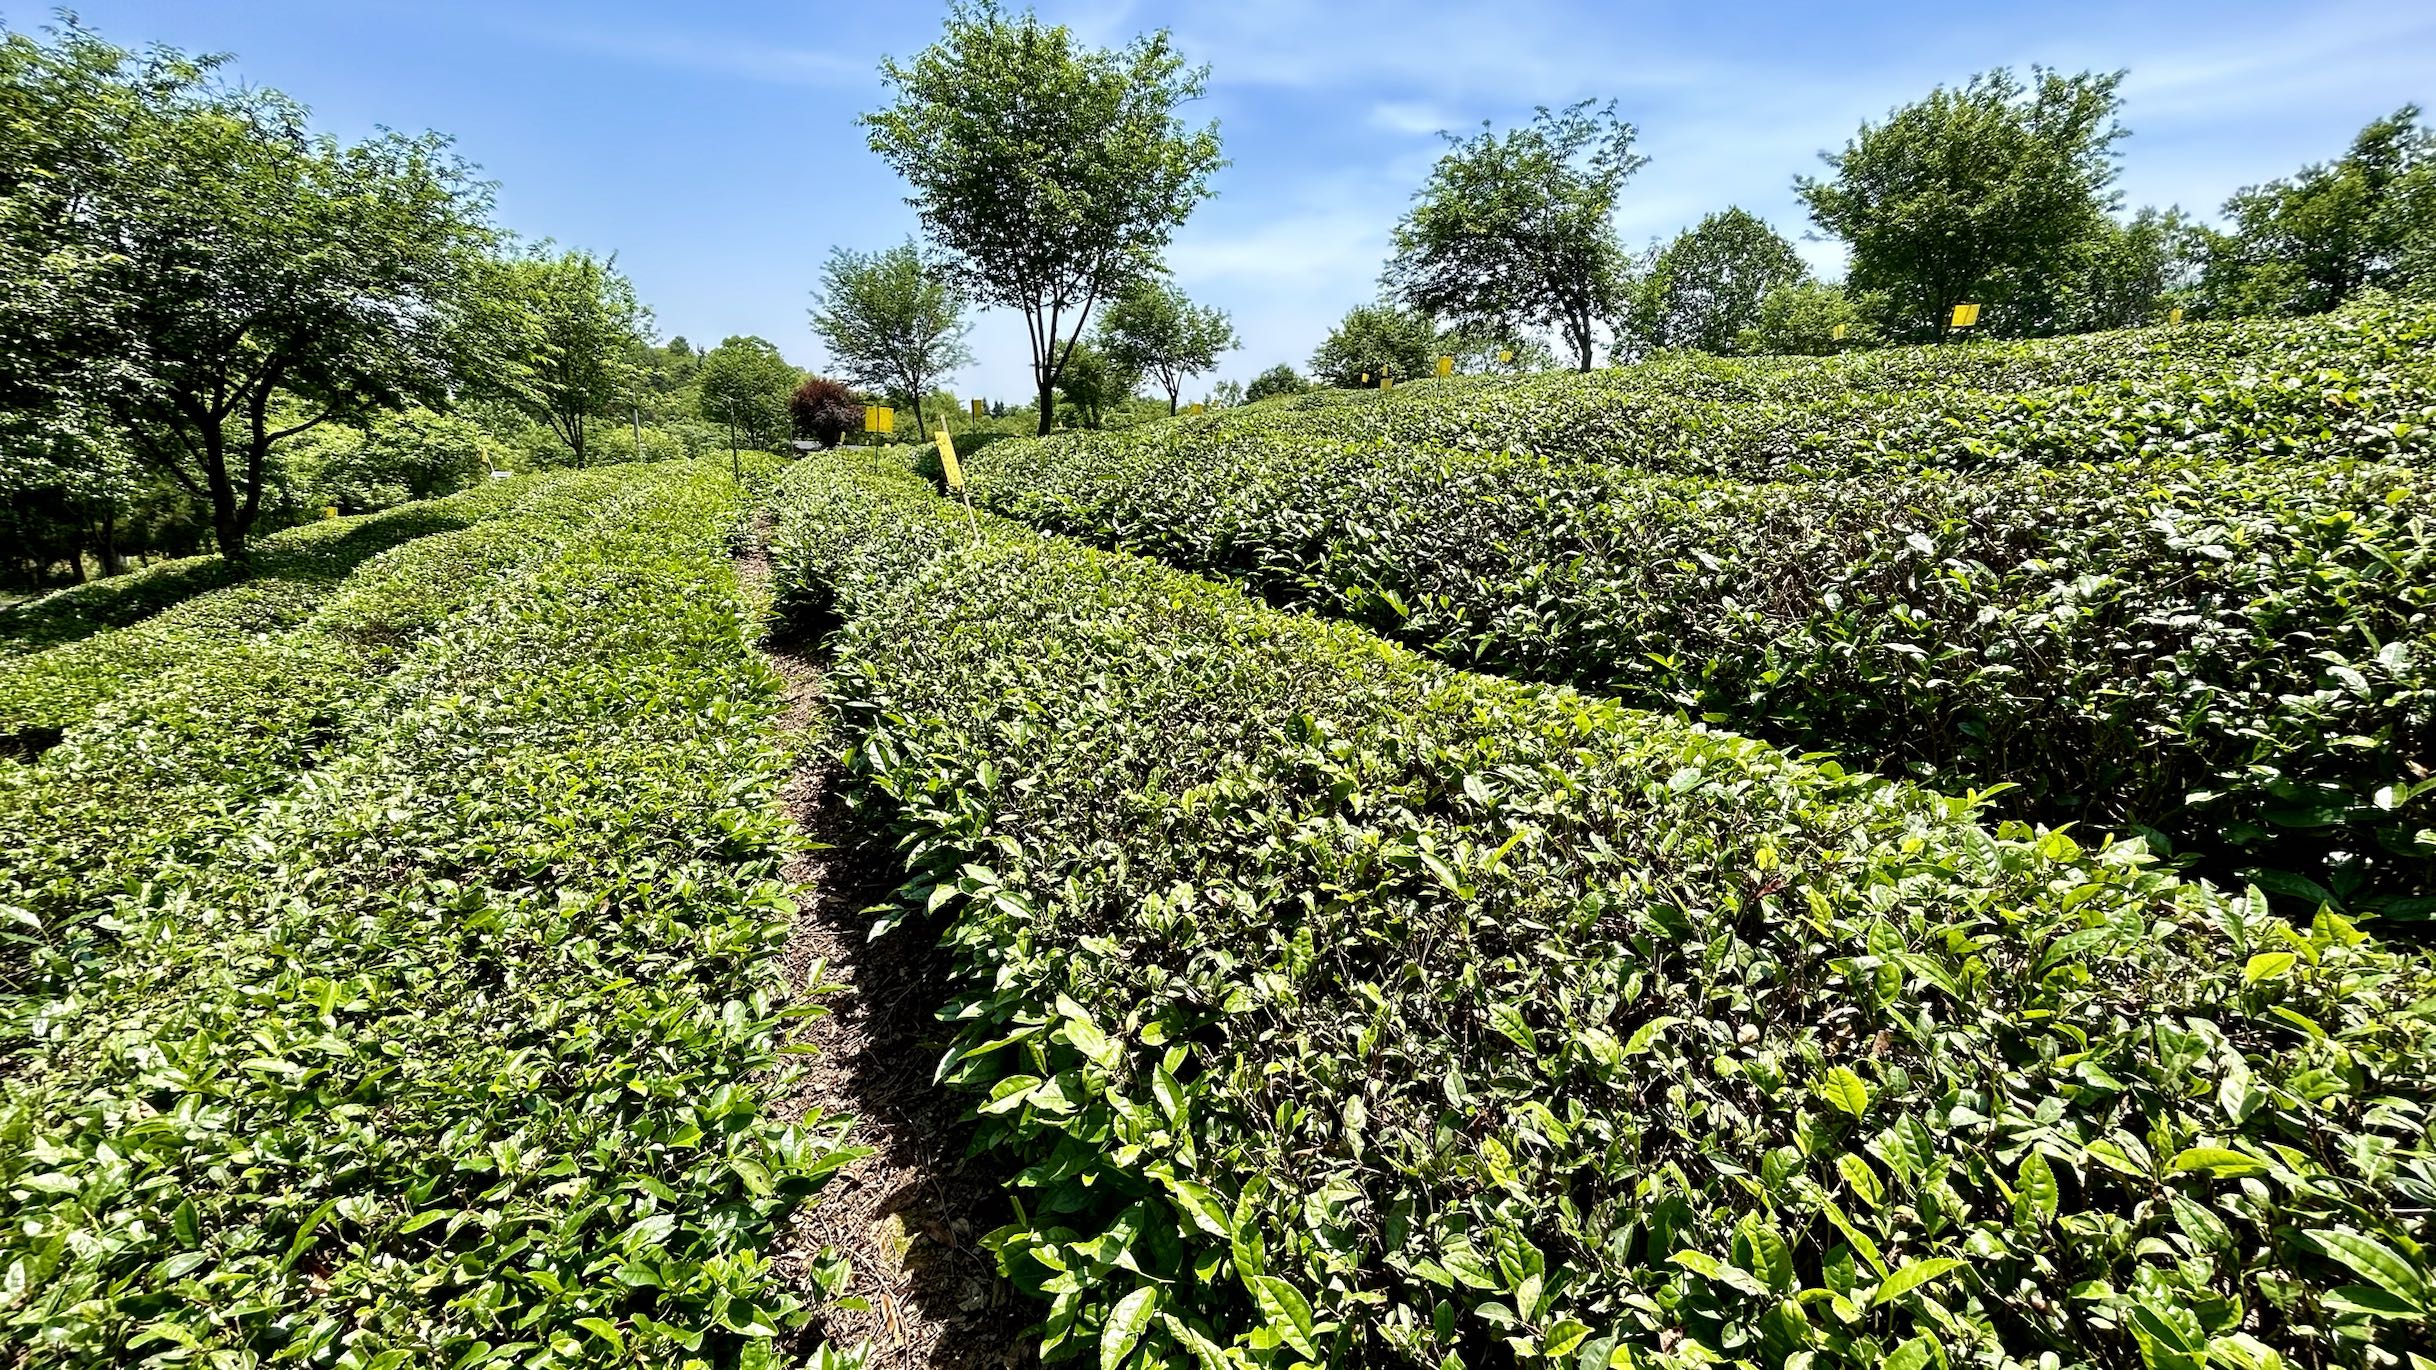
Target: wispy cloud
751,59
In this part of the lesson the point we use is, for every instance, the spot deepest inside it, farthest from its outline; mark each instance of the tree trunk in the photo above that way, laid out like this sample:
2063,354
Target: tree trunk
1048,403
1171,401
228,522
113,564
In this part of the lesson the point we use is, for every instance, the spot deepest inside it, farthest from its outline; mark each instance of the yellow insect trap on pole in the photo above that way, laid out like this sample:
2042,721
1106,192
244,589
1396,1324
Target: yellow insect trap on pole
1446,366
1192,409
2174,315
1505,355
879,418
977,409
1965,315
947,460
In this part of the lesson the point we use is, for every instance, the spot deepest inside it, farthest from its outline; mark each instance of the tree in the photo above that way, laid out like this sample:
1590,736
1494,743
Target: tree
1978,194
1280,379
1153,330
1374,340
1704,288
1800,318
193,268
1055,173
563,328
746,385
1518,231
1095,383
2306,243
892,322
822,410
1223,395
417,454
2125,274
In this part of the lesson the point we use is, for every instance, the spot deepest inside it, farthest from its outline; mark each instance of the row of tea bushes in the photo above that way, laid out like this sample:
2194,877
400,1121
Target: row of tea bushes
2240,657
1345,1008
2359,383
176,762
106,636
459,1056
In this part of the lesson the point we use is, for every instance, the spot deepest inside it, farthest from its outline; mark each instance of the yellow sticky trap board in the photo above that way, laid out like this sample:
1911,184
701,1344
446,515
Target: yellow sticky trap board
947,461
1506,355
1387,382
977,409
1365,378
1837,332
1965,315
879,418
1446,366
2173,315
1192,409
330,511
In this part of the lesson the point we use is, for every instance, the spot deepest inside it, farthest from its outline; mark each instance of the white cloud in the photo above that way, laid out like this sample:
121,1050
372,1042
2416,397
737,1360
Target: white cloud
752,59
1411,117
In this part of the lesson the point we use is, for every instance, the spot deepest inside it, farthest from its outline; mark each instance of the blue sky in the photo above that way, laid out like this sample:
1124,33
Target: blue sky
712,145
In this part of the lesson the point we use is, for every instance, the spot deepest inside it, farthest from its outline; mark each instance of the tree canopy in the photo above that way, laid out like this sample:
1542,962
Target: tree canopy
1518,231
746,385
1374,340
892,322
563,327
1053,171
1280,379
2308,242
1704,288
190,266
1152,330
1977,194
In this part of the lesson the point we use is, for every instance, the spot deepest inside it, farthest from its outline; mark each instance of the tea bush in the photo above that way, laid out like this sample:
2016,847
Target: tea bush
48,691
1344,1008
458,1056
2239,657
174,763
2361,383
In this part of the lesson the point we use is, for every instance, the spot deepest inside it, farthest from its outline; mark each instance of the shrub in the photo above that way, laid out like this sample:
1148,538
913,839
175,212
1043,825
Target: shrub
1343,1008
460,1054
1280,379
171,764
2239,658
2362,382
824,411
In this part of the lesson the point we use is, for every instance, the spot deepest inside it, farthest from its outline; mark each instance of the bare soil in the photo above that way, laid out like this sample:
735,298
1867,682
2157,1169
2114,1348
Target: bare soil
909,1216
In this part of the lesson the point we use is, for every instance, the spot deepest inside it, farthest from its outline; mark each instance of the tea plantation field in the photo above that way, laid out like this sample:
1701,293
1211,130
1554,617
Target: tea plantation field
1911,860
2190,595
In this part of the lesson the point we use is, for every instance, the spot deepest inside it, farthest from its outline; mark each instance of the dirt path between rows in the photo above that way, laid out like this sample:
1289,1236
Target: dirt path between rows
908,1217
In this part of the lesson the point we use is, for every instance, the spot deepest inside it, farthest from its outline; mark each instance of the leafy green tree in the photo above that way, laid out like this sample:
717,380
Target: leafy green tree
745,384
1280,379
2129,273
417,454
1800,318
1054,172
1094,383
1704,288
563,329
892,322
1976,194
1374,340
1517,232
1152,330
1223,395
189,265
2307,243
